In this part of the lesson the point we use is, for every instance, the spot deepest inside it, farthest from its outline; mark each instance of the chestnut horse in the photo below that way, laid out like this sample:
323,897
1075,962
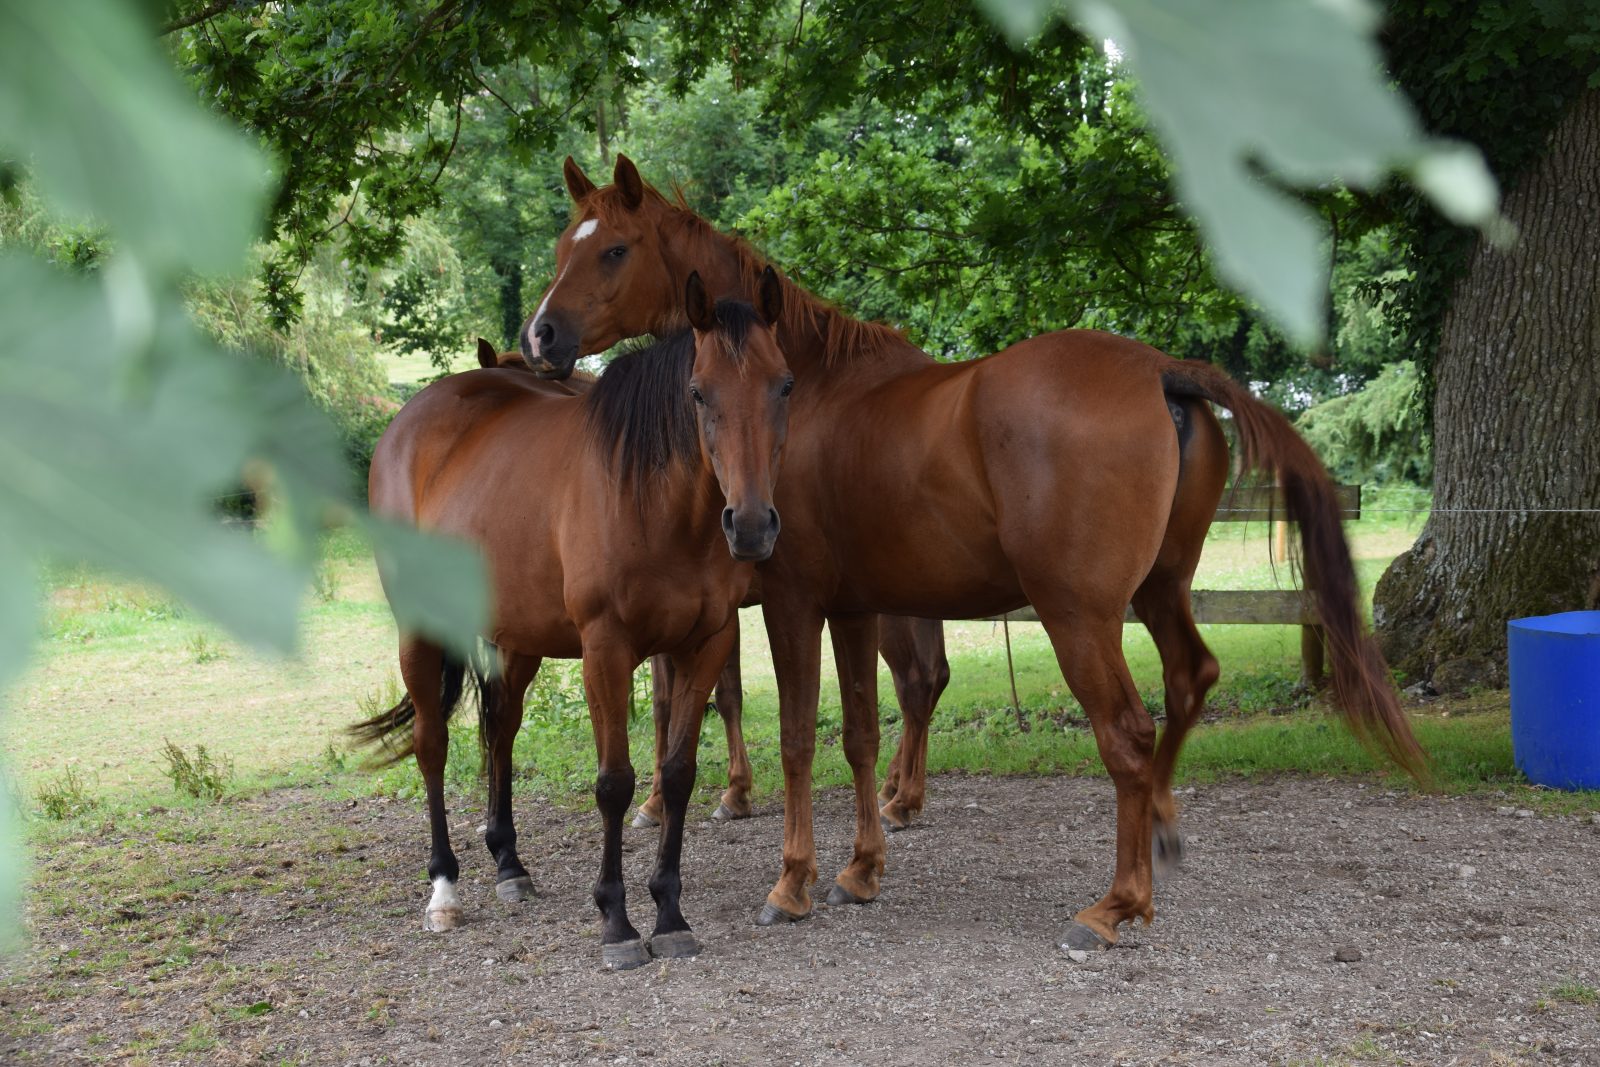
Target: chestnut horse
913,649
1047,473
618,523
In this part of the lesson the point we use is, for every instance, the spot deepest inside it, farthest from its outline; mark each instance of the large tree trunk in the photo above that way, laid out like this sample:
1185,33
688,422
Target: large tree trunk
1516,432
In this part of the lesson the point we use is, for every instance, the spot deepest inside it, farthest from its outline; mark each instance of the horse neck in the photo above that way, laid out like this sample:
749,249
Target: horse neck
689,504
803,338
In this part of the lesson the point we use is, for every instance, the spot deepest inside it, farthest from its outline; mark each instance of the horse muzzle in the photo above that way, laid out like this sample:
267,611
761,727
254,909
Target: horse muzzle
751,532
549,348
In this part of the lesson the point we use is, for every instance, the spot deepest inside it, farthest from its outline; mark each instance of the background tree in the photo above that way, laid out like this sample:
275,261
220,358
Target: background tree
1509,339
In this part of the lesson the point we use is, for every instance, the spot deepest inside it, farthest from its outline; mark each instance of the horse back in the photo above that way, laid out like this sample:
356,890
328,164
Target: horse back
478,430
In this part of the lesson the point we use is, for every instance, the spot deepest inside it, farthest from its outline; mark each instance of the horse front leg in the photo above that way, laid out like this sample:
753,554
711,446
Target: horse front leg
855,651
694,674
795,633
607,679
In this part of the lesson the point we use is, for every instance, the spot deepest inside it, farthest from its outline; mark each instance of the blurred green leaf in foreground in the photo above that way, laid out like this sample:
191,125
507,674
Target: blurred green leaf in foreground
1251,97
119,421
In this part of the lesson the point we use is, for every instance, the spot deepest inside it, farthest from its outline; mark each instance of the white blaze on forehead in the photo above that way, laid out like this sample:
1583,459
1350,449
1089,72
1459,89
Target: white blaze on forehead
585,229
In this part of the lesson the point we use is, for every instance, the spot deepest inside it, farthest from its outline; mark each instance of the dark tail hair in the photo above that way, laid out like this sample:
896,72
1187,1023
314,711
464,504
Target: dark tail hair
1362,690
391,730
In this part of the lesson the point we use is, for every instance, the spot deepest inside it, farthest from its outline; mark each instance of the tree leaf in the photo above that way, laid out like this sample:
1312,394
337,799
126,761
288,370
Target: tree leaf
117,462
1296,90
112,135
436,586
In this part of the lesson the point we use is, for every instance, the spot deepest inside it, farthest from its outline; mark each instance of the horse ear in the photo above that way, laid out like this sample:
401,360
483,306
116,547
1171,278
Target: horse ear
769,296
627,178
697,304
578,183
488,355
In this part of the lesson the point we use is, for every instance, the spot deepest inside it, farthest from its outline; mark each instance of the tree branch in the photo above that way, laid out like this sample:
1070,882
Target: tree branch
211,10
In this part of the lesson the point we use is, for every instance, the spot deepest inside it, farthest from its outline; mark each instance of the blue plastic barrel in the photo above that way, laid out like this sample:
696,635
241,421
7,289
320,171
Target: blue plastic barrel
1555,698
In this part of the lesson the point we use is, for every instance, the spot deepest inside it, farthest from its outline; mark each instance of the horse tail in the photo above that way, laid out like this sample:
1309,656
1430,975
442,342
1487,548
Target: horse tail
1362,690
391,730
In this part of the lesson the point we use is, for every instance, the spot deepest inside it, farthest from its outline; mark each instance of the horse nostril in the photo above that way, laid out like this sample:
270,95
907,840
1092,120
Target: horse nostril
727,521
772,521
546,334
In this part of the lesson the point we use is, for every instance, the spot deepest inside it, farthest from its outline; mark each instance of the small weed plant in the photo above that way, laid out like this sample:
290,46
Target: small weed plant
66,797
203,648
198,776
325,583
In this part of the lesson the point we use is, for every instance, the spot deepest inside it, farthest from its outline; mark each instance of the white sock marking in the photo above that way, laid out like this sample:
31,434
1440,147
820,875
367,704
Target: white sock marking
444,895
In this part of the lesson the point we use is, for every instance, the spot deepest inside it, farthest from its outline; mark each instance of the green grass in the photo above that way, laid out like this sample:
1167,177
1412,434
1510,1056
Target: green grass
119,672
1575,992
417,367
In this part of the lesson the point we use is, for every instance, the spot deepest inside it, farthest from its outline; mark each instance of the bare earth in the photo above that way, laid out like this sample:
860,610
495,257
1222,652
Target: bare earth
1478,933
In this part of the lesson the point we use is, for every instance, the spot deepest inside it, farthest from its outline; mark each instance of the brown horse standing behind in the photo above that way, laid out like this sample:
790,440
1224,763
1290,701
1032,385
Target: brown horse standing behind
618,523
1045,474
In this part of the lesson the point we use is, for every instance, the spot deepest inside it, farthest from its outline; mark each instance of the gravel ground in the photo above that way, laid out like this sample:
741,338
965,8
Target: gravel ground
1465,933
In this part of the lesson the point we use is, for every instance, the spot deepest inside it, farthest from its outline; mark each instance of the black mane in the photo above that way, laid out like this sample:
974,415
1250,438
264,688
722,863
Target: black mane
640,406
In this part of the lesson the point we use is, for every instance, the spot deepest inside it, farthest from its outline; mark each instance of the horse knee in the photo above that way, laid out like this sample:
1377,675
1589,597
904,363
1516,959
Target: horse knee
798,751
677,779
1129,754
613,790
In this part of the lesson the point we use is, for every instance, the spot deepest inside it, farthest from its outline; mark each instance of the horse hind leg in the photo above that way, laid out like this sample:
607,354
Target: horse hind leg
1188,671
1089,650
502,718
855,653
426,675
1162,602
735,802
914,652
649,813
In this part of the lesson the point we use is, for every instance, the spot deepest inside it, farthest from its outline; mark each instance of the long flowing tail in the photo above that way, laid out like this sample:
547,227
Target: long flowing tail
391,730
1361,687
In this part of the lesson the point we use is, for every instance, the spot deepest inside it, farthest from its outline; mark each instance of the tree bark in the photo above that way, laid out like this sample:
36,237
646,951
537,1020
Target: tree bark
1516,432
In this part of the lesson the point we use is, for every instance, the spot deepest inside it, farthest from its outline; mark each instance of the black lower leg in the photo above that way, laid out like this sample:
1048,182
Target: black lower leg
666,884
441,860
613,792
502,832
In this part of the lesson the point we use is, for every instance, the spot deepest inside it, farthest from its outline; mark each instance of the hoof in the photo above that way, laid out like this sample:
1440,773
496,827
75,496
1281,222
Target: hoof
513,890
1080,938
1166,851
643,820
676,945
625,955
892,824
727,814
771,915
438,920
839,895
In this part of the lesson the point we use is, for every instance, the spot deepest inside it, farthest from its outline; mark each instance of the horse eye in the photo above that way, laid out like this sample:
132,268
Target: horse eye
694,391
788,387
618,252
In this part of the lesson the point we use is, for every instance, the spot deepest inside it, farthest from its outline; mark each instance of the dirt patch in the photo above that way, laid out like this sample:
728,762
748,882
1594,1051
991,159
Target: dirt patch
293,934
